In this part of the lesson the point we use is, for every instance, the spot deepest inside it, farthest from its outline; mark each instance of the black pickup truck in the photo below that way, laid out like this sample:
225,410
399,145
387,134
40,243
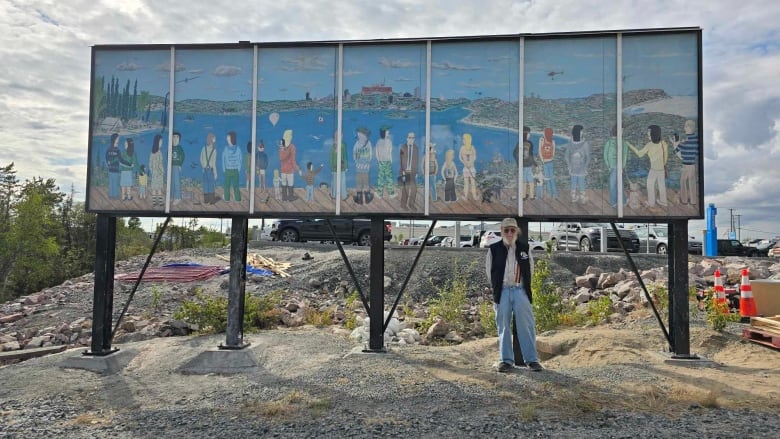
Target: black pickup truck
732,247
347,230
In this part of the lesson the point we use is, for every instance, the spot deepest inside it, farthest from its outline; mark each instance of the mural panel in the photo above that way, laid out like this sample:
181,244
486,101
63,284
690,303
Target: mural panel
129,117
570,112
661,125
296,120
212,131
384,128
474,128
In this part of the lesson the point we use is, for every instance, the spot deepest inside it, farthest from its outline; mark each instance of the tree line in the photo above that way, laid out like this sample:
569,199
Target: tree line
46,237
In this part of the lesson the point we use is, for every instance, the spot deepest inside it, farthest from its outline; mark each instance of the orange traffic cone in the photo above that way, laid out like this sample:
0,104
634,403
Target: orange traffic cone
719,298
747,305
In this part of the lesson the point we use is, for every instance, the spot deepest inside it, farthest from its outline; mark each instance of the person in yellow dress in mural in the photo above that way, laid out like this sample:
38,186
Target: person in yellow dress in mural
658,152
468,157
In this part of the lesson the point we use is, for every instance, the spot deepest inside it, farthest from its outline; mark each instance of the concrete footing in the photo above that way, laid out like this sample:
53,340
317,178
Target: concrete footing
221,361
692,360
105,364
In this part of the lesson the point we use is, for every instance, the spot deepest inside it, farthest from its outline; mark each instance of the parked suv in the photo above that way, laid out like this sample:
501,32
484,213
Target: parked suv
732,247
656,238
587,237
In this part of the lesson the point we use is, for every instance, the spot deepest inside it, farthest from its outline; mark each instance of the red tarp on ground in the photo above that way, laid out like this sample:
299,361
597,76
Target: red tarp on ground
174,273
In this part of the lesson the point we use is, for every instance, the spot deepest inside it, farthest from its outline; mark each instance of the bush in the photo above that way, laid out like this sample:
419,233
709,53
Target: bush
599,309
210,313
547,303
451,302
487,318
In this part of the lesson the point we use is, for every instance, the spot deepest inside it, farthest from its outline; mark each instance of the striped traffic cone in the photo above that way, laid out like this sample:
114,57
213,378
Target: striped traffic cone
719,298
747,305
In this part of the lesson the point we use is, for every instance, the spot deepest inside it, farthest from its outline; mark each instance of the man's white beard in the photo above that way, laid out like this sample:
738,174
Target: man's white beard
508,242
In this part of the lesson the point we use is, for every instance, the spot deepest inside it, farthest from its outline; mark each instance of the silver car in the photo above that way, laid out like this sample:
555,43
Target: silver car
655,239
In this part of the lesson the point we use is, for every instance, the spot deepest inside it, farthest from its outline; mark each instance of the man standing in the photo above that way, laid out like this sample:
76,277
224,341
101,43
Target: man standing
289,165
688,152
385,182
177,160
409,160
509,267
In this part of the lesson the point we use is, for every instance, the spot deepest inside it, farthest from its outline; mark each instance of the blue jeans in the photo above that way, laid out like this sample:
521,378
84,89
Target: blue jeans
514,300
309,192
343,185
578,182
113,185
613,187
432,183
176,182
551,188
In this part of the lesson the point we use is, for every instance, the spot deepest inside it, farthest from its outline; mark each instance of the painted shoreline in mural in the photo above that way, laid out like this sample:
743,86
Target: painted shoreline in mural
469,159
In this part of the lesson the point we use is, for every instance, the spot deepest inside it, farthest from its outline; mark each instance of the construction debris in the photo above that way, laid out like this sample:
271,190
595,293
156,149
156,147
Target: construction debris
257,261
763,330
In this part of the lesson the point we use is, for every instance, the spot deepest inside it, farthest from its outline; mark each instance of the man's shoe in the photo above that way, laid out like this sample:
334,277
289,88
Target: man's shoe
503,367
534,366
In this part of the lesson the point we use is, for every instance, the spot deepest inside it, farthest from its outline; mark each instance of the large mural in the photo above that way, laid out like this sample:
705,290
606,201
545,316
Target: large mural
447,128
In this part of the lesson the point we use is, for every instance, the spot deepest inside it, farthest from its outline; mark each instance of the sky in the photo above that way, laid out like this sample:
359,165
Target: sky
45,47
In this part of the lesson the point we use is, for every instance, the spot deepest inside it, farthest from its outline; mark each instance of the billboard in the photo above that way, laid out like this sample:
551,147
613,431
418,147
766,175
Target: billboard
594,125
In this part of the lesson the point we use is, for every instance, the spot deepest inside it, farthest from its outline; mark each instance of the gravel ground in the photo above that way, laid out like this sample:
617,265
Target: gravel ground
611,381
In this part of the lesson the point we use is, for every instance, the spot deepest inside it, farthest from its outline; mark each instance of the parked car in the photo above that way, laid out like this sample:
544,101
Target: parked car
489,237
774,251
656,238
732,247
764,245
347,230
465,241
537,245
587,237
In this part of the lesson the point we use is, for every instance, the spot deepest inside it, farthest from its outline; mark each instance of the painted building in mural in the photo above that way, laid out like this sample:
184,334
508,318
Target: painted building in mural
597,125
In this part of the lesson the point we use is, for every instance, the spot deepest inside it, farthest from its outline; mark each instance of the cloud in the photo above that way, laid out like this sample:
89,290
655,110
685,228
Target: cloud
304,63
396,63
446,65
128,67
227,71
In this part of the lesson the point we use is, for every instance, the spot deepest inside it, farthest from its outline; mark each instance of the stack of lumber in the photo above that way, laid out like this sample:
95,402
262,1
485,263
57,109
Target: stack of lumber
258,261
763,330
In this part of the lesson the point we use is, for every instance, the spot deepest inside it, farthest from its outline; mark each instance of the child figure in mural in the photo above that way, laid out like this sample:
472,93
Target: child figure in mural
468,157
128,166
409,156
688,151
449,172
539,180
432,171
657,151
248,165
177,161
547,157
289,165
277,185
208,163
577,157
157,172
143,180
385,182
231,167
261,164
610,158
334,157
362,153
311,173
529,163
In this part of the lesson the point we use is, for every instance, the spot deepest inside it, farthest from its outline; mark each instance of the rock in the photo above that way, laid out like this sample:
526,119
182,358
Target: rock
11,318
292,307
583,297
438,329
607,280
591,270
35,299
35,342
128,326
586,281
453,337
315,283
10,346
387,282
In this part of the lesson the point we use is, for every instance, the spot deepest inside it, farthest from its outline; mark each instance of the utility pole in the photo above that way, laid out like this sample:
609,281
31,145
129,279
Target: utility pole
731,222
739,229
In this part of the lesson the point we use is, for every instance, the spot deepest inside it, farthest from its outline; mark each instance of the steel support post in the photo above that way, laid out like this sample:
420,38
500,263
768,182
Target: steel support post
103,296
236,291
679,322
376,338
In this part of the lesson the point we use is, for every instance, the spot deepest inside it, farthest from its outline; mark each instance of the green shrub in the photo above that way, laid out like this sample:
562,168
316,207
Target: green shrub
451,301
599,309
318,318
547,303
350,322
718,315
487,318
210,313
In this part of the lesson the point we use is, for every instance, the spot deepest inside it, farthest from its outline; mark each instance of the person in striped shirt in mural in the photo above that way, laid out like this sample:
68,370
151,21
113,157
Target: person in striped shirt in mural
688,151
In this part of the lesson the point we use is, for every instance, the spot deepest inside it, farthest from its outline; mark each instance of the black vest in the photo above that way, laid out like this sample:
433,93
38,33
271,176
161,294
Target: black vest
498,252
